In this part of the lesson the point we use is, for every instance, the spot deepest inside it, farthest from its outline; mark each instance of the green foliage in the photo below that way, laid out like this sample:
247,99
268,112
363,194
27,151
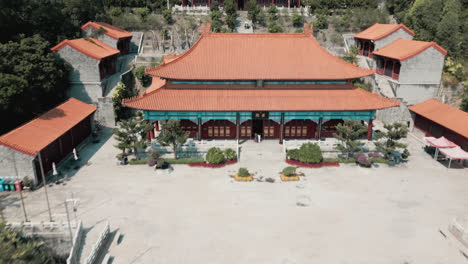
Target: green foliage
97,33
27,182
351,55
131,134
172,135
310,153
321,22
405,155
293,154
184,160
215,156
140,74
448,33
253,11
32,81
394,132
340,160
143,12
423,17
121,92
349,134
16,249
274,28
231,14
272,13
363,85
464,102
138,161
289,171
398,8
243,172
379,160
167,14
160,163
297,19
230,154
216,15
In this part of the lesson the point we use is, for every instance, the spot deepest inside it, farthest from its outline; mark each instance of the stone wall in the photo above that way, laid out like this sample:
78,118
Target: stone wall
84,68
86,92
105,112
400,33
395,114
16,164
417,93
424,68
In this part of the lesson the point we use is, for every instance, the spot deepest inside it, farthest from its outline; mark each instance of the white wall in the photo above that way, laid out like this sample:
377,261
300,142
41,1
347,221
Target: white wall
400,33
14,163
424,68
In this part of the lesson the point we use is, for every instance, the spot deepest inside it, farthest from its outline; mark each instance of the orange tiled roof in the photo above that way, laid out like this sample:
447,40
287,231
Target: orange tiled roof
444,115
285,98
262,56
111,31
156,83
379,31
90,47
403,49
169,58
37,134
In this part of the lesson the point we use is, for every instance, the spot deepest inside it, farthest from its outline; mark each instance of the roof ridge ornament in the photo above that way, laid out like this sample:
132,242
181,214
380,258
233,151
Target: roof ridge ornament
308,30
205,29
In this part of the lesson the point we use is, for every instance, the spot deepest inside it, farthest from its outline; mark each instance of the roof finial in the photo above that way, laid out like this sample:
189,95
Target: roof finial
205,28
308,30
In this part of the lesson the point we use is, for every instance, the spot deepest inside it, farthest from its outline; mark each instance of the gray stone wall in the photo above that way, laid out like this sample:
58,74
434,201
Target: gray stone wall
417,93
104,38
105,112
400,33
86,92
424,68
14,163
84,68
395,114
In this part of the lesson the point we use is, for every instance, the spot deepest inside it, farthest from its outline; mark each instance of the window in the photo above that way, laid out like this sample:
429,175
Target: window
293,131
272,131
228,131
286,131
243,131
221,131
216,133
210,131
304,131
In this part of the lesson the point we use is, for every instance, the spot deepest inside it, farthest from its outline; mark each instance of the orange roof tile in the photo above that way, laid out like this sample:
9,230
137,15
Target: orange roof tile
169,58
37,134
257,56
156,83
90,47
444,115
111,31
285,98
403,49
380,31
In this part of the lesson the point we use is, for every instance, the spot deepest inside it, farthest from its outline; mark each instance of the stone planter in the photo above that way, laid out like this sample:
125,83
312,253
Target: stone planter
243,179
295,177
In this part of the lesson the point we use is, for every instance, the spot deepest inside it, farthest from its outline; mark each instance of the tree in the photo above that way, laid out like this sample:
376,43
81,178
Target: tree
351,55
349,134
464,103
216,15
16,249
131,134
273,26
449,28
121,92
395,132
172,135
398,8
253,11
32,81
423,17
231,14
297,19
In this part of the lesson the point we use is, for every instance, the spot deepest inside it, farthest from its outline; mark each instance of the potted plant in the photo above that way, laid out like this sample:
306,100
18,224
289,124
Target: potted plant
27,183
243,175
289,174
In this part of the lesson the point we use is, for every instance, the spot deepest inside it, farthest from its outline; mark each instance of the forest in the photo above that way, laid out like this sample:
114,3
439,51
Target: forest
33,81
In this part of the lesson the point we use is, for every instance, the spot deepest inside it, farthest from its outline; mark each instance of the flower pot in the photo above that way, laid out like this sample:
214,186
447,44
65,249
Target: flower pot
243,179
295,177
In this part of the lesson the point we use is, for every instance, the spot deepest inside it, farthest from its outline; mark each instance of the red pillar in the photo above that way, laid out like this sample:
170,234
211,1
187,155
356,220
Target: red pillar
272,2
369,130
148,134
156,125
184,3
299,3
319,129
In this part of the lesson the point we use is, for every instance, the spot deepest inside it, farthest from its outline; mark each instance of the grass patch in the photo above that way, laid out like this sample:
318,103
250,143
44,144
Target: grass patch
138,162
340,160
378,160
184,160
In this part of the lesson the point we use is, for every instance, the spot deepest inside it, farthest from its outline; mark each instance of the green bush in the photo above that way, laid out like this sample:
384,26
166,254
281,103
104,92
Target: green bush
140,74
215,156
27,182
310,153
405,155
293,154
297,19
340,160
230,154
184,160
167,14
138,162
243,172
160,163
289,171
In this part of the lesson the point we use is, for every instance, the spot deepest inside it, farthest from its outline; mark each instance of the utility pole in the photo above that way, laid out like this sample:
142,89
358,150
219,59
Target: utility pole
45,185
22,205
69,226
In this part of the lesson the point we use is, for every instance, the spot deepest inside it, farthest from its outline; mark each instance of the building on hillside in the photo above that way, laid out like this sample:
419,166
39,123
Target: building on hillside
236,86
50,138
113,36
411,69
378,36
242,4
437,119
92,62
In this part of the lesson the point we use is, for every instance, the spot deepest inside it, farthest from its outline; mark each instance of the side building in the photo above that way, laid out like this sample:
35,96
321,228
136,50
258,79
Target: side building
113,36
31,148
236,86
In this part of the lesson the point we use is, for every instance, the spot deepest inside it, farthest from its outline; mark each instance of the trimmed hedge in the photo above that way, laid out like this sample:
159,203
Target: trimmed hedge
313,165
243,172
138,162
210,165
215,156
289,171
169,161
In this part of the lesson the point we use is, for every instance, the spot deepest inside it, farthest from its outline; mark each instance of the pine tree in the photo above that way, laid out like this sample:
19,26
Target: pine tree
449,28
253,11
394,133
172,135
216,15
231,14
131,134
349,134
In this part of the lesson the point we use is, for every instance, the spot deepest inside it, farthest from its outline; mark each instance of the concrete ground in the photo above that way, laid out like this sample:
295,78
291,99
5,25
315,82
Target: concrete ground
197,215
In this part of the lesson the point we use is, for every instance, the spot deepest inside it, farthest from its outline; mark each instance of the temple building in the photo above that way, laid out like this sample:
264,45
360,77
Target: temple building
113,36
242,4
276,85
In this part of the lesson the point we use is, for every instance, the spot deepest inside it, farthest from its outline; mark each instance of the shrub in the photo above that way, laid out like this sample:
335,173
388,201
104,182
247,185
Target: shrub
151,162
358,155
243,172
184,160
230,154
374,155
363,161
405,155
138,162
161,163
167,14
215,155
297,19
27,182
140,74
289,171
293,154
310,153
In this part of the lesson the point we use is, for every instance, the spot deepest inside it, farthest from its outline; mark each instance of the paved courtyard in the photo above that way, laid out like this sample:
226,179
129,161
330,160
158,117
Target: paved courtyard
196,215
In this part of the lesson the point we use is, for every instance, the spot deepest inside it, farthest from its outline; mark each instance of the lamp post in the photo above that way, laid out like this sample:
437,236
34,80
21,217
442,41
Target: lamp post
45,185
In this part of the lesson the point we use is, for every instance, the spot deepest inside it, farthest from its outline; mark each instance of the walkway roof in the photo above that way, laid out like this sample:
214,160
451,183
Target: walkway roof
444,115
257,56
37,134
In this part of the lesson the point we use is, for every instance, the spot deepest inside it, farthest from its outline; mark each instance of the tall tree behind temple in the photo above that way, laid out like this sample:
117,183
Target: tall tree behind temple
31,81
449,28
423,17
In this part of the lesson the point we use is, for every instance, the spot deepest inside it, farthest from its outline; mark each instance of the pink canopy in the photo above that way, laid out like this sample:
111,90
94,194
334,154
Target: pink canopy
441,142
455,153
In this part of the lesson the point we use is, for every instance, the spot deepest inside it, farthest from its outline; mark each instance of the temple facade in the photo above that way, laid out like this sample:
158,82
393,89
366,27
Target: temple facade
242,4
274,85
